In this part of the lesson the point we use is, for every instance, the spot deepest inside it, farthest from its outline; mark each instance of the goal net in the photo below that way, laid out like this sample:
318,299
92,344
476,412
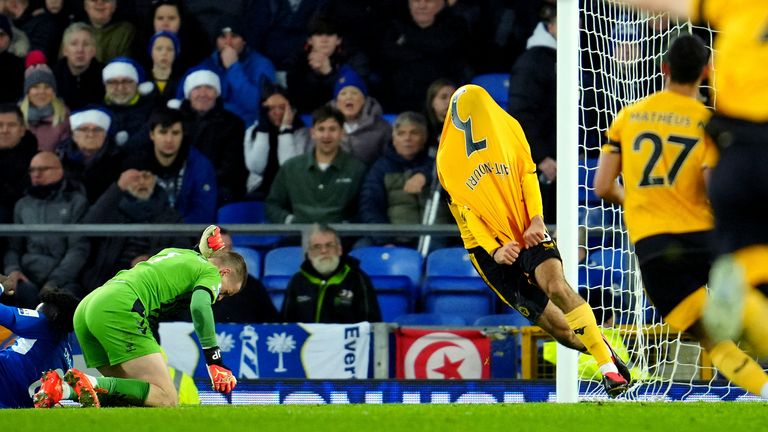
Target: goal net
620,58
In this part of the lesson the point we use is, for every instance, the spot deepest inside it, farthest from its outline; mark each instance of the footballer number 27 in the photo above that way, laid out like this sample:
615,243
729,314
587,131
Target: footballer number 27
687,143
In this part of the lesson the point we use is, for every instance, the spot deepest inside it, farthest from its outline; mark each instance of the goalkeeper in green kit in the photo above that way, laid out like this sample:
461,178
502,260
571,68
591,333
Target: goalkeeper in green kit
112,326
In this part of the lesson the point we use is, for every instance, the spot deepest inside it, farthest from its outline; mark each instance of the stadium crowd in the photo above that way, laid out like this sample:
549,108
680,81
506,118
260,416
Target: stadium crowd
165,111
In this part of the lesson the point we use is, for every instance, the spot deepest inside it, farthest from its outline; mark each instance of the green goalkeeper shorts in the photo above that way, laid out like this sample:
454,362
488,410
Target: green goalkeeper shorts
112,327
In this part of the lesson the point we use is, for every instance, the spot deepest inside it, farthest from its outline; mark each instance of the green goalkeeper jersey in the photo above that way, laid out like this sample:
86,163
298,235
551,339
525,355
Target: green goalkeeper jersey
165,282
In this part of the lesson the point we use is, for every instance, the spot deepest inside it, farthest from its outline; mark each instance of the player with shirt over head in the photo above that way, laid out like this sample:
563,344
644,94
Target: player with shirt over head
664,155
484,163
112,324
737,307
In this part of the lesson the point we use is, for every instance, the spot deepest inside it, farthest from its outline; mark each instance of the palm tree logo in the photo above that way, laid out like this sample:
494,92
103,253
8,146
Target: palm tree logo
280,344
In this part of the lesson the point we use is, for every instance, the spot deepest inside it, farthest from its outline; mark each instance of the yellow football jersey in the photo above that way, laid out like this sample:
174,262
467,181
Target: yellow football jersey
741,55
484,163
663,150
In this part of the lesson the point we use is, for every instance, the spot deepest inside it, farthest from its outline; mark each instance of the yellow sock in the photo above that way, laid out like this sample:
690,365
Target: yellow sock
756,321
738,367
582,321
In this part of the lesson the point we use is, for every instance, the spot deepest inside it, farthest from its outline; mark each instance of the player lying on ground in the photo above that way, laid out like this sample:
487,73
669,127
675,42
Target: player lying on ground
112,326
40,345
484,163
665,162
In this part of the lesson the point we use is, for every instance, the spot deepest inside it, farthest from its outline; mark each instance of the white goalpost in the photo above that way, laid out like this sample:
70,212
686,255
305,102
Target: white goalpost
609,56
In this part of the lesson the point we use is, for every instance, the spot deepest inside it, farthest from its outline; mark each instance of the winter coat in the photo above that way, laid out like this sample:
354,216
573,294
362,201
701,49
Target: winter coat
346,296
96,174
79,91
242,83
44,258
14,178
368,140
308,194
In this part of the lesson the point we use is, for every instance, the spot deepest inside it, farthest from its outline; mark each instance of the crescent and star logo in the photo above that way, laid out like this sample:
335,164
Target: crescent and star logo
443,355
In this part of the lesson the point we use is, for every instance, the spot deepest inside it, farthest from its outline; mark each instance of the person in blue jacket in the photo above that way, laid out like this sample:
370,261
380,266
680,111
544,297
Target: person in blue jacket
39,343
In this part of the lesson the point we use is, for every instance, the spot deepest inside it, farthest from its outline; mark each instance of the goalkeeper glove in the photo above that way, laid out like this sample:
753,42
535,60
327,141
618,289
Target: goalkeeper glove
211,241
222,378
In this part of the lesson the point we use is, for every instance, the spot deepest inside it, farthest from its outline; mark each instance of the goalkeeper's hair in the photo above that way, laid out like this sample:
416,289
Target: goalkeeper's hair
686,57
59,306
234,261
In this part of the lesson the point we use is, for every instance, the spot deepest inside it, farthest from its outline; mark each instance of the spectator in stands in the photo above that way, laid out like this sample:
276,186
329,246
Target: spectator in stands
279,28
252,305
313,71
90,156
171,16
438,99
243,72
39,26
130,101
113,38
47,117
396,188
133,199
47,262
366,133
532,101
330,287
321,185
279,136
163,50
17,147
430,43
216,132
185,174
11,66
78,73
63,15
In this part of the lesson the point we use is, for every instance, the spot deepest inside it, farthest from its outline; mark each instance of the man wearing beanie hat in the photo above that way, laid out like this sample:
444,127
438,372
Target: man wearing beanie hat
46,115
11,66
129,100
242,71
40,28
215,131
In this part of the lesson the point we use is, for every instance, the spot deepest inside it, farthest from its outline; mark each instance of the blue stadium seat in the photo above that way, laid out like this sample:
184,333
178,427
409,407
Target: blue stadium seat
606,267
390,118
252,260
280,265
396,275
307,119
507,319
441,319
453,286
497,85
246,212
587,171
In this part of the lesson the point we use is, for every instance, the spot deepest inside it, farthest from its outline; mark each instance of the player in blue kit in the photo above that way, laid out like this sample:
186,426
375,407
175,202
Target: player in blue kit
40,344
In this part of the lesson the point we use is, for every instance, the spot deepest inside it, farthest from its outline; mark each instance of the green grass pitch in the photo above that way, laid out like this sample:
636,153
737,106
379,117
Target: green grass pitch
593,417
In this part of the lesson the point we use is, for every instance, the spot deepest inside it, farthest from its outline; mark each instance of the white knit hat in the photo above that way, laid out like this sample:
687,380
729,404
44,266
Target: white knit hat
120,68
199,78
91,116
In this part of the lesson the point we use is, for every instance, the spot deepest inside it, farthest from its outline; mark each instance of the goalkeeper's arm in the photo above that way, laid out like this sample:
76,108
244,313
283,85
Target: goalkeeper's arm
202,318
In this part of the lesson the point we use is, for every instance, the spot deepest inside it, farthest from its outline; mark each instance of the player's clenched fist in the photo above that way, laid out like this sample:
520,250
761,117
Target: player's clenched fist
211,241
222,378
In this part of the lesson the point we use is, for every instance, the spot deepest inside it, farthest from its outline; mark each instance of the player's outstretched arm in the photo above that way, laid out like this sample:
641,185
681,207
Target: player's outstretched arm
211,241
222,378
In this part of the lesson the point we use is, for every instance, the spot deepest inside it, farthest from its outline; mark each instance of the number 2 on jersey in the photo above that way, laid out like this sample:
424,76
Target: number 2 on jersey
688,144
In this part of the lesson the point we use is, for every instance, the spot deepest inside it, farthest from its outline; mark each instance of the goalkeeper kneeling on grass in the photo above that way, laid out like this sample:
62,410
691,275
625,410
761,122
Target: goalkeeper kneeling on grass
112,326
